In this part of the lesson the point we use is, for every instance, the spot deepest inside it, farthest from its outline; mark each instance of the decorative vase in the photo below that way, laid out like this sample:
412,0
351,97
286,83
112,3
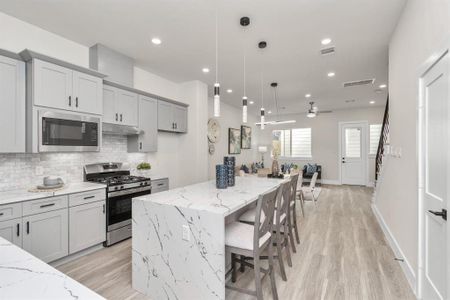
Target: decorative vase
275,168
230,162
221,176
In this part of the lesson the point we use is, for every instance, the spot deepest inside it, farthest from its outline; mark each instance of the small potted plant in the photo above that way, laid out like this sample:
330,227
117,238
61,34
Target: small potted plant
143,168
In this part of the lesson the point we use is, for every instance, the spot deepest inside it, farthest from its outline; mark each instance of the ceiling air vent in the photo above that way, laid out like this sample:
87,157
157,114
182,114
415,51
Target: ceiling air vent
359,82
327,51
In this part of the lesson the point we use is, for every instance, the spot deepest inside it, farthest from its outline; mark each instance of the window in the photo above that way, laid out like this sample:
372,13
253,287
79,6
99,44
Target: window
374,135
353,142
294,142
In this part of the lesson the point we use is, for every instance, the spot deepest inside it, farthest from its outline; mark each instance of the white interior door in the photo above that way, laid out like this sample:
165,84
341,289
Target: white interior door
353,153
436,184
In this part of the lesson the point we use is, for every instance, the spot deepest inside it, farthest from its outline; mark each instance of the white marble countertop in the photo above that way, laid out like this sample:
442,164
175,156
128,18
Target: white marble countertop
23,276
206,197
8,197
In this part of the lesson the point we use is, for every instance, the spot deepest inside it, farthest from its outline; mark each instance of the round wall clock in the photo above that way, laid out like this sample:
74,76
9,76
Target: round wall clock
213,130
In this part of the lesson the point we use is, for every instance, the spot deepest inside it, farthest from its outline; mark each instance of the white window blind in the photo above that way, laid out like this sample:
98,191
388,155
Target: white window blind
353,142
374,136
295,142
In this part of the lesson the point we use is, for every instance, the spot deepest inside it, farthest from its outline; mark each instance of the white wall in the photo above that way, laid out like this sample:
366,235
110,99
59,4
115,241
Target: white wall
181,157
422,29
231,117
325,139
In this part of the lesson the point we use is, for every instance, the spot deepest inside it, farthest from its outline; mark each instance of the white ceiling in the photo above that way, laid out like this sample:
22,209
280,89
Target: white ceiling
293,29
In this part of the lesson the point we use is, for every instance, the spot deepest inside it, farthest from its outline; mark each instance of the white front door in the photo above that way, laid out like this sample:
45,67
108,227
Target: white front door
353,153
435,184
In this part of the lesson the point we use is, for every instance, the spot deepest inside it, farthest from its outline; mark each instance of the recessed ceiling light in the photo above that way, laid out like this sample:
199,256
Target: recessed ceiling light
382,86
331,74
307,95
205,70
269,112
372,102
156,41
229,91
326,41
252,102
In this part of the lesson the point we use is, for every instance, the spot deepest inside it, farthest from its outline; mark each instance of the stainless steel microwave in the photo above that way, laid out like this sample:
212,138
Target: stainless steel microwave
60,132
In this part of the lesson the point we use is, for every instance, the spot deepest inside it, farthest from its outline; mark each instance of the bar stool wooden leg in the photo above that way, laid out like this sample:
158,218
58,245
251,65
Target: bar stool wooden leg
288,254
295,225
272,273
258,283
290,233
280,255
233,267
242,261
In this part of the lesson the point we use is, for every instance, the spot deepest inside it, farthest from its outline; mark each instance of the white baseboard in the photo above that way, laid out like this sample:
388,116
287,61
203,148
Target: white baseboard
371,184
405,265
330,181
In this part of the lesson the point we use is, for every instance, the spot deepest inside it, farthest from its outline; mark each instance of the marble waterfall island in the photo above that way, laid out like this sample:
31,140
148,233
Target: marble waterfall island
179,237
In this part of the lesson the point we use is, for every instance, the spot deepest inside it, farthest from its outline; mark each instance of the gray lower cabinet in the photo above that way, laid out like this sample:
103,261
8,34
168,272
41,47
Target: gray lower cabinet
148,123
46,235
172,117
12,105
11,230
160,185
87,225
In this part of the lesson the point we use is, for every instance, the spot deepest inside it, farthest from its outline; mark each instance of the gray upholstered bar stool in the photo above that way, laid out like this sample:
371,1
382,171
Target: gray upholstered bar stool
251,240
281,226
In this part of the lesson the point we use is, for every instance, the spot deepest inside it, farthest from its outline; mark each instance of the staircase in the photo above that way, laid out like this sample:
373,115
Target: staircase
384,140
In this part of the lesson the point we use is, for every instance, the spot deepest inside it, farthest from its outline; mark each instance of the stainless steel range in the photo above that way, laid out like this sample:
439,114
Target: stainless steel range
121,188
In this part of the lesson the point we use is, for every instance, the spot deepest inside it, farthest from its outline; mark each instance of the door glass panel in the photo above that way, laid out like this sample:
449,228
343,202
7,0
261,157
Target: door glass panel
436,129
353,142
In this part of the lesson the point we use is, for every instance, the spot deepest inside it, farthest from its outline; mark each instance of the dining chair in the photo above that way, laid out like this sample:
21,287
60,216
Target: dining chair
308,191
251,240
298,193
281,226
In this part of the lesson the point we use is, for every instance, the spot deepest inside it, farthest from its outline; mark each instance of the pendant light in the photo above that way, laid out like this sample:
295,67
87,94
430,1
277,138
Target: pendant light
275,97
217,85
262,45
245,21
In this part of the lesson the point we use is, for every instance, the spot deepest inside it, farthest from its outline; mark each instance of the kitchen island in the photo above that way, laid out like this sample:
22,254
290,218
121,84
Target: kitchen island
178,246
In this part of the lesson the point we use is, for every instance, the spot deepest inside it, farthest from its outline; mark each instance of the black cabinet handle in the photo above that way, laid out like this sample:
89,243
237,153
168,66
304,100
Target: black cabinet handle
28,227
89,197
18,229
47,205
140,145
103,208
1,214
76,102
117,117
120,117
160,184
70,100
442,213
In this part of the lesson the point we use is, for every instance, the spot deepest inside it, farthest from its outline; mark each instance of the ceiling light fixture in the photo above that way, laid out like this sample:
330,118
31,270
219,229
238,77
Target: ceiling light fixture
382,86
262,45
326,41
331,74
217,85
307,95
244,21
372,102
229,91
252,102
156,41
205,70
269,112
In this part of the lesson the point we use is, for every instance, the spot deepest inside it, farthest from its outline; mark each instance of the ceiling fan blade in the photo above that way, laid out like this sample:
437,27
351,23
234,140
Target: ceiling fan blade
324,111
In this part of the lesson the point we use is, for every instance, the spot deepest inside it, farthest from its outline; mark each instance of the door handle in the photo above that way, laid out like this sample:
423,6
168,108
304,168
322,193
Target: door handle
76,101
47,205
117,117
28,227
140,145
442,213
103,208
120,117
176,125
18,229
1,214
89,197
70,100
173,125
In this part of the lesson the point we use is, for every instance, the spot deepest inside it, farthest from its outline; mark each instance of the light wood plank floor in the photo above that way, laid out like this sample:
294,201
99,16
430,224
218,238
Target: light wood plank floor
342,255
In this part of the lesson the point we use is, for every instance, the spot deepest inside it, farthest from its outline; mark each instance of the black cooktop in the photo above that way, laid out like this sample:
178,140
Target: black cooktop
121,179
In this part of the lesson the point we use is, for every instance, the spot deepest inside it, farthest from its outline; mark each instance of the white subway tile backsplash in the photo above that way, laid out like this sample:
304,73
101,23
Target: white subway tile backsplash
18,171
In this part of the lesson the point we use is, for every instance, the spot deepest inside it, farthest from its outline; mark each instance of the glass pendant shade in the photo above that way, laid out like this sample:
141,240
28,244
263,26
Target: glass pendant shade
216,100
262,118
244,109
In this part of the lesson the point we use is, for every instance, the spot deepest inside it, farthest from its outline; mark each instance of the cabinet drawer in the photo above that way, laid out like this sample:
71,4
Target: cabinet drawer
44,205
10,211
87,197
160,185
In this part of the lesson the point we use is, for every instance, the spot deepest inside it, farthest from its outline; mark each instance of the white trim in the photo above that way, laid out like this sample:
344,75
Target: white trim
330,181
405,265
364,150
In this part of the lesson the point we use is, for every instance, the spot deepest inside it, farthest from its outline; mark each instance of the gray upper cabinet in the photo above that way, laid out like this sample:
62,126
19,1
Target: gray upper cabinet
12,105
147,141
120,106
172,117
62,88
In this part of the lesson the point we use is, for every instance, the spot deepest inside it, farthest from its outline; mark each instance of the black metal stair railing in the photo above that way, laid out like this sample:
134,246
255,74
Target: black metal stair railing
384,136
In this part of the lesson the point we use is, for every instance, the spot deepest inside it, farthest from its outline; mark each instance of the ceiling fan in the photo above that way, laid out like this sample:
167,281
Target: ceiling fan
313,111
